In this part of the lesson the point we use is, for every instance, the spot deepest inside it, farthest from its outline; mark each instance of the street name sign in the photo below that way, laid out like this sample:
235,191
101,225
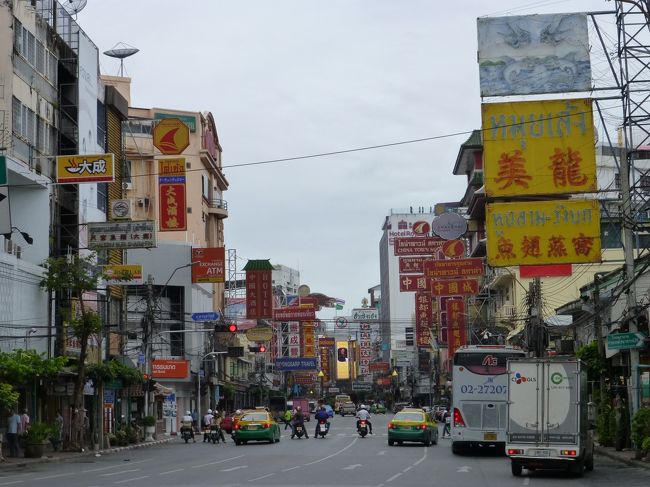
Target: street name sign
207,316
619,341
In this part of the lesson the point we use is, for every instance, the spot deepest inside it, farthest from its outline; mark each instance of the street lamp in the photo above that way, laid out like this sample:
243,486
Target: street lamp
25,235
198,399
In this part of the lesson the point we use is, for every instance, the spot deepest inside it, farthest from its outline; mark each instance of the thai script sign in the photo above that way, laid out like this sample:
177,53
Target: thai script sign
412,265
209,264
455,287
294,313
87,168
539,147
521,55
326,341
298,363
471,267
365,314
379,367
122,235
418,245
548,232
170,369
423,320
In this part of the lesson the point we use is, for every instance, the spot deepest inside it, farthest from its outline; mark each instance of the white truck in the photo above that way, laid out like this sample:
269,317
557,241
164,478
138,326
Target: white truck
548,422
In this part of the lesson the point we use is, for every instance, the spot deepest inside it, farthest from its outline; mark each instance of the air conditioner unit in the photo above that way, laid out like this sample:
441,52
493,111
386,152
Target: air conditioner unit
127,185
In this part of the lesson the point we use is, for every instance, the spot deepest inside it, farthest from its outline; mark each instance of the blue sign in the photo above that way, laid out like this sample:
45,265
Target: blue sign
298,363
207,316
109,396
141,359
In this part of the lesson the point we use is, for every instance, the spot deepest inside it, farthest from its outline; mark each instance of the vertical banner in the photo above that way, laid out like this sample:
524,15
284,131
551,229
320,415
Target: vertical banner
325,363
291,339
259,294
308,339
365,348
172,194
456,336
342,360
423,320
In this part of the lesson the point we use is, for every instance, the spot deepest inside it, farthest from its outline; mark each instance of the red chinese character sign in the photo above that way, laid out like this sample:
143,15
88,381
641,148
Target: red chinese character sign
456,336
259,289
454,287
172,195
413,283
423,320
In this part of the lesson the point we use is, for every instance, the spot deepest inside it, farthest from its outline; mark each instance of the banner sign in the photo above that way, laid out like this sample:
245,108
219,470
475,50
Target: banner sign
325,362
304,378
87,168
365,348
412,265
548,270
173,207
342,360
548,232
413,283
294,313
326,341
123,274
259,294
209,264
417,245
122,235
456,336
471,267
298,363
171,170
423,320
308,339
364,314
170,369
539,147
455,287
379,367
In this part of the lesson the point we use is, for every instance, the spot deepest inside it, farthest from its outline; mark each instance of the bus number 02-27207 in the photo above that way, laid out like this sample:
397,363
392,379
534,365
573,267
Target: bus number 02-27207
483,389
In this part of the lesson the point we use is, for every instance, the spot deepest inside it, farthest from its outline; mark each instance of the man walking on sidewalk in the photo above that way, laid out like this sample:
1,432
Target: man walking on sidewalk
13,429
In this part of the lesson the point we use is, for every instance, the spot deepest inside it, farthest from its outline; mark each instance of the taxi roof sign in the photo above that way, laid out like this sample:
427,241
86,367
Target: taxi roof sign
171,136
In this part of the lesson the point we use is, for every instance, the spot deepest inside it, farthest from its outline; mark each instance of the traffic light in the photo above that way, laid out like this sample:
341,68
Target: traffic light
229,328
232,328
257,349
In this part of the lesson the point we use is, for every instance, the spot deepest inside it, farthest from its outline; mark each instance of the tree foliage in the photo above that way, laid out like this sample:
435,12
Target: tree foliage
593,363
8,396
21,366
114,371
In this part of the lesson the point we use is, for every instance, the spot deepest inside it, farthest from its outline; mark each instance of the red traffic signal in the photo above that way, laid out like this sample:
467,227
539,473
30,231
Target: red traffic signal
257,349
232,328
262,348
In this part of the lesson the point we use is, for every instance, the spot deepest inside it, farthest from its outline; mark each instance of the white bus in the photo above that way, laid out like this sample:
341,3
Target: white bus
479,395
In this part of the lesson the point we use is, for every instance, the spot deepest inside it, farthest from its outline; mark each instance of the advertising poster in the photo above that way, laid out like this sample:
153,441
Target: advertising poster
210,264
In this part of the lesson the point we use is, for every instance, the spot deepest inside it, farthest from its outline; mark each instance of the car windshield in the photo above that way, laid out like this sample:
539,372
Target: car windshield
255,417
409,416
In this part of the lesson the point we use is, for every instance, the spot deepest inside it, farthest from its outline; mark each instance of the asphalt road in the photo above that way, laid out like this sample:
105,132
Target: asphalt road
341,459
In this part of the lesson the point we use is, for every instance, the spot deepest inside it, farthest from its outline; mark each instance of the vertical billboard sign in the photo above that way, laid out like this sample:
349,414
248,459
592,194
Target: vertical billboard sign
456,336
259,294
365,348
342,360
325,364
308,339
530,54
539,147
291,339
423,320
172,194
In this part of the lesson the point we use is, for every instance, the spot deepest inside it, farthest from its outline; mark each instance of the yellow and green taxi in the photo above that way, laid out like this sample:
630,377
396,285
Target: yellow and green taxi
377,408
256,425
412,424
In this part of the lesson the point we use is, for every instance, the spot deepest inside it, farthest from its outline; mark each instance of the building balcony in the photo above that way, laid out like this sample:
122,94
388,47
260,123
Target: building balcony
218,207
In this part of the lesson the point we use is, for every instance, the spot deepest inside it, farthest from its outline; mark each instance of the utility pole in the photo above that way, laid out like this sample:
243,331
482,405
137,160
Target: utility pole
598,330
146,343
536,325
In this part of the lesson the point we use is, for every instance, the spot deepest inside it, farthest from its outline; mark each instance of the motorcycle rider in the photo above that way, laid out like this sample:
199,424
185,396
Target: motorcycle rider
216,425
298,419
207,421
235,420
186,425
364,415
321,415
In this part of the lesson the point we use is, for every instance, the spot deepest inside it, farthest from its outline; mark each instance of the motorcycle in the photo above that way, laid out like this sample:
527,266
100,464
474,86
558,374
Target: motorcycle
362,429
322,428
215,435
300,430
186,434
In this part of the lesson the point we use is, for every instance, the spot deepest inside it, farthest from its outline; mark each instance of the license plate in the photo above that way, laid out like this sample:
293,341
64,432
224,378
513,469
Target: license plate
541,453
490,437
253,426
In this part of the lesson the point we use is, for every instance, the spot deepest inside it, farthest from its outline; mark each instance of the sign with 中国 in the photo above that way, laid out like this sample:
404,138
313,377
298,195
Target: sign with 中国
173,207
86,168
171,136
472,267
456,336
294,313
454,287
539,147
413,283
548,232
122,274
209,264
259,294
122,235
417,245
423,320
170,369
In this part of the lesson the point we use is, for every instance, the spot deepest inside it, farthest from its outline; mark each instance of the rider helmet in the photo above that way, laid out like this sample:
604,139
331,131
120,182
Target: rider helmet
238,412
187,413
322,408
363,406
298,408
209,411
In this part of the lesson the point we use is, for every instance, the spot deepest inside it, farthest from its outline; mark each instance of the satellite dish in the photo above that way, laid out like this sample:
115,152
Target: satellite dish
73,7
121,51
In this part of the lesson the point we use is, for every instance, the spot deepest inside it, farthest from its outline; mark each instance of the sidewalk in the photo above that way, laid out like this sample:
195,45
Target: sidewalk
60,456
625,456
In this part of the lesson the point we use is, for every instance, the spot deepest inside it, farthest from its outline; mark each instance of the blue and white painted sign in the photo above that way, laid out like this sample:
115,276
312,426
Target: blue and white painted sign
298,363
207,316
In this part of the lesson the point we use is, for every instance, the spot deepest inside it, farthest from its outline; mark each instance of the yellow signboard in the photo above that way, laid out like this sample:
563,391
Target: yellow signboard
543,232
342,360
127,274
539,147
171,136
86,168
170,167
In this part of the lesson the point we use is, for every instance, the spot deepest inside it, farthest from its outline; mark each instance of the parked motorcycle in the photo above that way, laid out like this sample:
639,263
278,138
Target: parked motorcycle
362,429
300,430
322,428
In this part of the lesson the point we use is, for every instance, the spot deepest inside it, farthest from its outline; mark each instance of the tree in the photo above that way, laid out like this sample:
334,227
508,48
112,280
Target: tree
72,277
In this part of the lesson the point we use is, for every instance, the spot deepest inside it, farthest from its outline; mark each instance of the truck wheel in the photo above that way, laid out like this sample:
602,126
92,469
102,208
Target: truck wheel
455,449
516,469
577,468
590,463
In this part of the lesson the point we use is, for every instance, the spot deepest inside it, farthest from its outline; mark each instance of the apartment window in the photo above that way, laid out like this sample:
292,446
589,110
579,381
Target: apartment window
644,184
40,57
205,187
617,180
176,341
102,196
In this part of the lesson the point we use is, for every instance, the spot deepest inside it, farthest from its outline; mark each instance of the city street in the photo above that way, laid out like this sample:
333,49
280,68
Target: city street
341,459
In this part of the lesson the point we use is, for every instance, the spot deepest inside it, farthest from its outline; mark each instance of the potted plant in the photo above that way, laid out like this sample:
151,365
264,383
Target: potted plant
640,429
36,438
149,427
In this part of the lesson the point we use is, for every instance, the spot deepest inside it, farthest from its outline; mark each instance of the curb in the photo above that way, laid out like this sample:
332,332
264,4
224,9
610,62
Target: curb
74,455
621,458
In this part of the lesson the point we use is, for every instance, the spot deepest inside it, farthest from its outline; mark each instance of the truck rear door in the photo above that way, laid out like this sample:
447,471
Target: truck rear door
525,402
562,403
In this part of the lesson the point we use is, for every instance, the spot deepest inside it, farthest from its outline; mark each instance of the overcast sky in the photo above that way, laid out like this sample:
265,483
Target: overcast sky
286,78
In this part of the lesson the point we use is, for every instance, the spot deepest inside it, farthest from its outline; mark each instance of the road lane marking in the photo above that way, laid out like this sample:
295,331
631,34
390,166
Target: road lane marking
381,452
54,476
262,477
352,467
114,466
12,482
424,456
292,468
463,469
217,462
234,468
394,477
407,468
119,473
526,480
131,480
171,471
333,454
